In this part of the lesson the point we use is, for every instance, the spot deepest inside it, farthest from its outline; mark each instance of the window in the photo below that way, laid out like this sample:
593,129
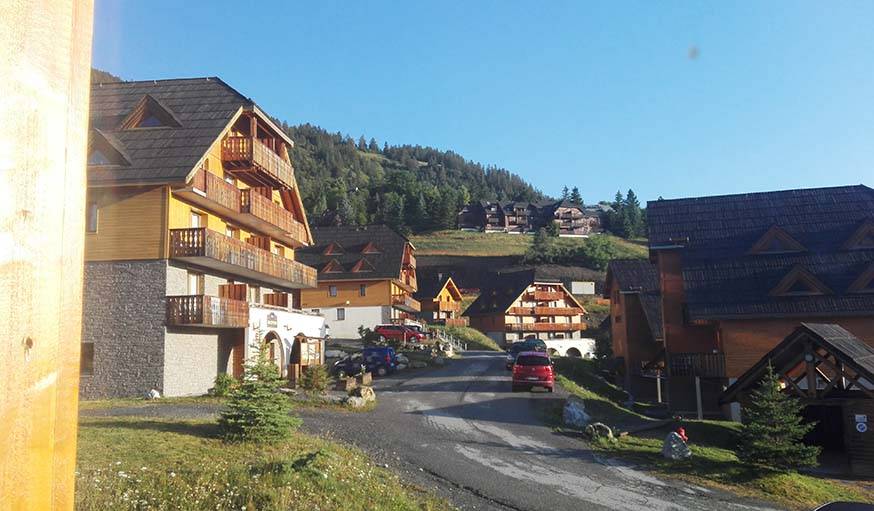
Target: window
197,220
232,232
86,359
316,311
195,283
362,290
341,314
98,158
254,294
91,222
332,290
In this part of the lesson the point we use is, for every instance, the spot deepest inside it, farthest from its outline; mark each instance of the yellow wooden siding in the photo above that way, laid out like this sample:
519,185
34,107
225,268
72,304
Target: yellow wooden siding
130,224
378,293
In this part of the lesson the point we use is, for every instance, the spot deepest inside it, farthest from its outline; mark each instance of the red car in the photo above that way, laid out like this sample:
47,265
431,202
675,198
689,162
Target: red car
398,333
533,369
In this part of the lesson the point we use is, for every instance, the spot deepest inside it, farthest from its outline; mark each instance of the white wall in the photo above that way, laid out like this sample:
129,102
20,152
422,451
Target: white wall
367,317
579,287
586,346
285,323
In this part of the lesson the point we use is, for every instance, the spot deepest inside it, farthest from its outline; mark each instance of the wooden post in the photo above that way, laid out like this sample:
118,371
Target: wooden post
43,126
698,397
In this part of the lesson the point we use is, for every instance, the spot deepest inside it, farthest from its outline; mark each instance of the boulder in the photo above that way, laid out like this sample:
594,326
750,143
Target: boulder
401,367
153,394
402,359
366,393
418,364
355,402
675,448
574,413
599,430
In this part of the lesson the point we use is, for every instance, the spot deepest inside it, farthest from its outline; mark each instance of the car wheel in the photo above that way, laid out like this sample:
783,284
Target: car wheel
381,371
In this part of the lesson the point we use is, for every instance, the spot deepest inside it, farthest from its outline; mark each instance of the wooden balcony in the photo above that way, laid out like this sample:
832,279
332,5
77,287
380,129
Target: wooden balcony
248,156
545,311
443,306
544,296
707,365
212,249
410,261
244,207
454,321
207,311
272,218
545,327
405,302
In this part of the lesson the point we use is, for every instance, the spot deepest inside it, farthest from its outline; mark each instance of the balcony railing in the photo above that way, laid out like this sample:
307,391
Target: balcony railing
253,153
217,190
546,311
697,364
454,321
259,206
548,295
443,306
207,311
406,303
410,261
545,327
215,250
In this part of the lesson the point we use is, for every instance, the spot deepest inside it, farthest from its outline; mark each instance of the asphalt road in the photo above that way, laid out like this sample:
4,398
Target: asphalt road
459,431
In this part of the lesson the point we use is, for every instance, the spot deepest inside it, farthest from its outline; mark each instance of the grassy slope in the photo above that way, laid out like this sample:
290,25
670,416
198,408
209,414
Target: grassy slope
713,459
147,463
475,339
464,243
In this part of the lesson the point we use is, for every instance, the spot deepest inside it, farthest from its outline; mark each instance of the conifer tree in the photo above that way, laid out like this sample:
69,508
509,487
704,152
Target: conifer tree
773,429
576,198
257,411
565,193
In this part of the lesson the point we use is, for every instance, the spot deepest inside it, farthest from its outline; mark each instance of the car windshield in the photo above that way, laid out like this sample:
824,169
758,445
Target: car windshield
532,360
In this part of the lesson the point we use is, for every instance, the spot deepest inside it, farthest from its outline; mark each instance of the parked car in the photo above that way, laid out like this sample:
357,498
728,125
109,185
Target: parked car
399,333
350,365
526,345
533,369
380,360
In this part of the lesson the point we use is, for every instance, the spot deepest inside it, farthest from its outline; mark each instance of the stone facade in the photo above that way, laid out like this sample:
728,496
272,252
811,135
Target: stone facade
194,356
124,311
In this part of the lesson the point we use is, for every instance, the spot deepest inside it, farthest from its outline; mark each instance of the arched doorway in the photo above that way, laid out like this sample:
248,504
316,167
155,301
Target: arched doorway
275,351
573,352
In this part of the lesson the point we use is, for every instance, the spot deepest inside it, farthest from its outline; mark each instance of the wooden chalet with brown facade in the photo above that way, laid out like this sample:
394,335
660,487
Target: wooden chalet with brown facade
441,300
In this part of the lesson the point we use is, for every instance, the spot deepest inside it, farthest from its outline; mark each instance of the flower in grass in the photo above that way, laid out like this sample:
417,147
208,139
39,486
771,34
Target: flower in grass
172,474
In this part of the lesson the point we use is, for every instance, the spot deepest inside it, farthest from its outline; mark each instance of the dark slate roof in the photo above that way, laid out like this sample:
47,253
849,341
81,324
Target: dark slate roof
385,265
852,351
652,309
503,290
203,107
723,280
634,275
429,286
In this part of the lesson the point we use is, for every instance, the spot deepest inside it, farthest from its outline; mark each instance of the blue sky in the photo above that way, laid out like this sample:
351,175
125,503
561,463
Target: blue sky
603,96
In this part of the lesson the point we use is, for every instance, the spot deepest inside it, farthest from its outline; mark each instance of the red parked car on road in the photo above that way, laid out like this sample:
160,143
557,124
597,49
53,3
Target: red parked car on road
533,369
398,333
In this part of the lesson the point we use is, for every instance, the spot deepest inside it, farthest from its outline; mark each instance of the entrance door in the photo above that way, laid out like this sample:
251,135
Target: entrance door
829,430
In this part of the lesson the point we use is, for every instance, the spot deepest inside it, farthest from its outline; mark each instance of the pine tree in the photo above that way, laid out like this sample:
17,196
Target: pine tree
362,144
576,198
773,429
257,411
565,193
345,213
373,147
632,218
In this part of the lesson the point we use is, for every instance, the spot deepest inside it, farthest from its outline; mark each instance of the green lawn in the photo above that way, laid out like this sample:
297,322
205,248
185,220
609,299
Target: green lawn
127,463
713,459
465,243
475,339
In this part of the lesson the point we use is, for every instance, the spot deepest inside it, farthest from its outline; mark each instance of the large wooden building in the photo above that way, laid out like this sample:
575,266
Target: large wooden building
516,306
193,219
441,300
366,277
519,217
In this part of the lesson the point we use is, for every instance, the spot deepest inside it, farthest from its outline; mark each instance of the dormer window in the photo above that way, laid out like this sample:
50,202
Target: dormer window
862,238
800,282
362,266
332,267
776,241
105,150
371,248
150,113
865,282
333,248
98,158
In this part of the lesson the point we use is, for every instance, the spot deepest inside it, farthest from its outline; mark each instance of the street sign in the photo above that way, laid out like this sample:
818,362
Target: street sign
861,418
861,427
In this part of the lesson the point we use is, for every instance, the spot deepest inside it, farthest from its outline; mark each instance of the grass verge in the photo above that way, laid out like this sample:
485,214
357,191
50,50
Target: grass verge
713,462
134,463
475,339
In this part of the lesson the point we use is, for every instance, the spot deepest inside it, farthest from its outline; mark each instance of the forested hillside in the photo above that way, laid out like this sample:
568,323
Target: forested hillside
408,187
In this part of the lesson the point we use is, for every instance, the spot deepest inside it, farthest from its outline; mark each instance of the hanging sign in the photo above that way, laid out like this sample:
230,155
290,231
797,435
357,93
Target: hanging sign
861,427
861,418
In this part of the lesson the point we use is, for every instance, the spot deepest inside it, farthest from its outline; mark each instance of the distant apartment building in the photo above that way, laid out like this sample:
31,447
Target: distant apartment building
527,217
515,306
193,219
366,277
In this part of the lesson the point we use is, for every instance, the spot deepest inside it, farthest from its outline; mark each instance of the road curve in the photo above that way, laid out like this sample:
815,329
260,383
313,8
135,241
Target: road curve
460,431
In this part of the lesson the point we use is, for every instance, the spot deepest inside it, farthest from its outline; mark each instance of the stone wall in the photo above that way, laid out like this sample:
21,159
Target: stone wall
123,315
193,357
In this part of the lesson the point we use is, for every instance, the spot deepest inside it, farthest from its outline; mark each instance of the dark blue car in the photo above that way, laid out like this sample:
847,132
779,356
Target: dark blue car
380,361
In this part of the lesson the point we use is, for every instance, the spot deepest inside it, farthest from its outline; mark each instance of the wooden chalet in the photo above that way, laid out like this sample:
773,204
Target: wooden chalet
441,300
517,217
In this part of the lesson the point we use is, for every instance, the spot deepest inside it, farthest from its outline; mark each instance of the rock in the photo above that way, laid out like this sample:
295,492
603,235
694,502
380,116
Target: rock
599,430
401,367
402,359
355,402
418,364
153,394
675,448
366,393
574,413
